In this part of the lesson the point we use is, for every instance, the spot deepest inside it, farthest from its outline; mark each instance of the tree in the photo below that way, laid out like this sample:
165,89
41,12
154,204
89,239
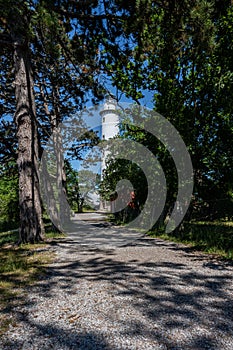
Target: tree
81,188
56,49
177,52
15,27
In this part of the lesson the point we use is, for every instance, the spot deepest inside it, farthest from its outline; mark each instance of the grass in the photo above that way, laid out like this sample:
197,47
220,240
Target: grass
209,237
20,266
9,237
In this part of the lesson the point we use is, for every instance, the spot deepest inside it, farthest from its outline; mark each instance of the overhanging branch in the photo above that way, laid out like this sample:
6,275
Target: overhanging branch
6,39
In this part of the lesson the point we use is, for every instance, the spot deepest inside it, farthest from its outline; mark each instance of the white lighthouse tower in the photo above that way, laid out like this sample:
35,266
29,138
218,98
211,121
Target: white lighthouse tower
110,128
109,119
110,122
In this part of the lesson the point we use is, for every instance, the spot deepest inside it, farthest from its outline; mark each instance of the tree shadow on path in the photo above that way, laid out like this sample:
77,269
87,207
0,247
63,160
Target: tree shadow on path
178,300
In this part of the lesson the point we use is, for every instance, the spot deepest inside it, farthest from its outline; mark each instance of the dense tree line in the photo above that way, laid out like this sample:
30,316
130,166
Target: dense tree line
55,55
50,60
183,54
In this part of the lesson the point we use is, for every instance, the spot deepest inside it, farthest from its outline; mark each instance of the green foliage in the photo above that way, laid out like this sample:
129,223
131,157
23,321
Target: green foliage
67,46
183,52
9,210
179,50
211,237
80,187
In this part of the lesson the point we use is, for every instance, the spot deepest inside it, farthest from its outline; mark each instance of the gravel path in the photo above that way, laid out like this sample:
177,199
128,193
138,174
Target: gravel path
148,294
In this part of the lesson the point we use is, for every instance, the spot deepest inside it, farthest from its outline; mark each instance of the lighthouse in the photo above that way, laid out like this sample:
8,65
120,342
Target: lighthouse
110,123
110,128
109,119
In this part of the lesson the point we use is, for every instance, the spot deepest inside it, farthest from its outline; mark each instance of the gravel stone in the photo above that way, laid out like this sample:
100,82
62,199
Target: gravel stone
149,294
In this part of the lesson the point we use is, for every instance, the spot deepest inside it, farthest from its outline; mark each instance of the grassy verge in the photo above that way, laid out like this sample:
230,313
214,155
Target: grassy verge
20,266
209,237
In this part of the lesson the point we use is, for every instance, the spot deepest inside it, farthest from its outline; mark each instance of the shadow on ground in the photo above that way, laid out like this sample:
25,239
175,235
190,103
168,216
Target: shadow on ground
189,295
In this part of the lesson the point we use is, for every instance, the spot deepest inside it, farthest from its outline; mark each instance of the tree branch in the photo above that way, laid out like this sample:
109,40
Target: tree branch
6,39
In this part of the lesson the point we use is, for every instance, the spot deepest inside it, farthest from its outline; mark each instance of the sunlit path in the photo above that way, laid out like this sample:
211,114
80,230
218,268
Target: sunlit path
147,294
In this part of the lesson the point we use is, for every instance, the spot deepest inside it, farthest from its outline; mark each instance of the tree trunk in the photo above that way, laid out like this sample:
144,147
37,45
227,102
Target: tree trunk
55,183
47,179
31,224
64,209
48,194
